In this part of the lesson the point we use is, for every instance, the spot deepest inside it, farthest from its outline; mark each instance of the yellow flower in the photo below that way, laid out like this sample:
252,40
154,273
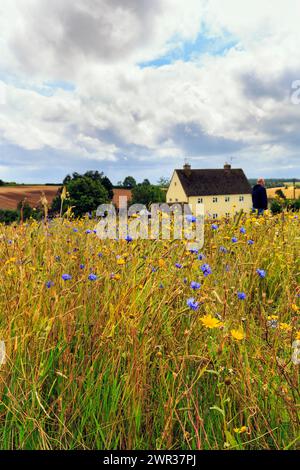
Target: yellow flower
295,308
161,263
121,261
298,335
241,430
273,317
284,326
210,322
238,334
116,277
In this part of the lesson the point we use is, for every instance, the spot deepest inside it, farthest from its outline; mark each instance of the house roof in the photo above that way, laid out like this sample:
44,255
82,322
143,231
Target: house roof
214,182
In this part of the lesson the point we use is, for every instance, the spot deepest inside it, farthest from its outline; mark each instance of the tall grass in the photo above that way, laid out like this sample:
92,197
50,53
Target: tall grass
123,362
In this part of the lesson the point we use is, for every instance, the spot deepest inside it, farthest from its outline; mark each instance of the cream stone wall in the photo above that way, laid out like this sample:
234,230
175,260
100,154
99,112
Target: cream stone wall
175,191
222,207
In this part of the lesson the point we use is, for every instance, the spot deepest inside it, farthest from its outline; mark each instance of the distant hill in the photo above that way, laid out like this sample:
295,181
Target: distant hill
275,182
10,196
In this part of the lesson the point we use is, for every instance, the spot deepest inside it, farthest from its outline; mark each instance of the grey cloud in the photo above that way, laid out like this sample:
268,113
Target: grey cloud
266,85
61,31
194,141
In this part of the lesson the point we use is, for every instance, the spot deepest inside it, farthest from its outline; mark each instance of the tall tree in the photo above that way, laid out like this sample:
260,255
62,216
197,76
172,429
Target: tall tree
129,182
163,182
147,194
85,193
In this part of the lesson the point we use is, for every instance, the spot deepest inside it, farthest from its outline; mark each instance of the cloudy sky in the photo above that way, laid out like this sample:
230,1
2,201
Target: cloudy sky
133,87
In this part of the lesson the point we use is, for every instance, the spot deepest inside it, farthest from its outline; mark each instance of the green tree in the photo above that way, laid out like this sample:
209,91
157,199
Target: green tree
163,182
85,194
8,216
129,182
147,194
104,180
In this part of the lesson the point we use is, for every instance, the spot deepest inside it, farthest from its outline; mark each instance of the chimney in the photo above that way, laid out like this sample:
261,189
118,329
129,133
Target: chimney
187,169
227,166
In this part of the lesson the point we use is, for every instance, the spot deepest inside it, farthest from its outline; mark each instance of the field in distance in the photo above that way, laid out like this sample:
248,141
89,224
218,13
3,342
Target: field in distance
288,192
10,196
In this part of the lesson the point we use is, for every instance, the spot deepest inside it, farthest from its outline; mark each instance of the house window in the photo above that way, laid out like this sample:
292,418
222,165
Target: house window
241,198
175,184
227,214
170,200
200,200
176,200
215,216
227,198
215,199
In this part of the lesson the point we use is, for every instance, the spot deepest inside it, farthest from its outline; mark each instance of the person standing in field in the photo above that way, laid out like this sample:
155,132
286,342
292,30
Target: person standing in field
259,197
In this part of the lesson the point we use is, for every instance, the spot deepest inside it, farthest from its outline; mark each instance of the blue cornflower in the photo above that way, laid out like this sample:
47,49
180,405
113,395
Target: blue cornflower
129,238
185,280
66,277
192,304
223,249
250,242
178,265
206,269
214,227
81,266
194,251
94,231
191,218
201,257
234,240
49,284
57,258
88,231
100,255
93,277
153,269
75,229
261,273
161,286
242,295
243,230
195,285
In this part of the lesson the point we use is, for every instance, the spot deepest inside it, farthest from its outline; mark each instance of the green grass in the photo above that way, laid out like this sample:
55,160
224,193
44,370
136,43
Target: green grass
124,363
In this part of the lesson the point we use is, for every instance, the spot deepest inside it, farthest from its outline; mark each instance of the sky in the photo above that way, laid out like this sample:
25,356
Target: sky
135,87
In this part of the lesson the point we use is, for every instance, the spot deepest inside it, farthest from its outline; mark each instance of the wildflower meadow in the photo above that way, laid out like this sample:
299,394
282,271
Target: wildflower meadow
143,344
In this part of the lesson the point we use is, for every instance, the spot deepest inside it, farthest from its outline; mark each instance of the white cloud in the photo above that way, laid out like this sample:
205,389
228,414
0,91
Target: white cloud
236,103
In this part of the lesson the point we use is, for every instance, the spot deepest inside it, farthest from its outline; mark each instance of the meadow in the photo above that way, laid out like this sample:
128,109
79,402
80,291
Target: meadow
145,345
